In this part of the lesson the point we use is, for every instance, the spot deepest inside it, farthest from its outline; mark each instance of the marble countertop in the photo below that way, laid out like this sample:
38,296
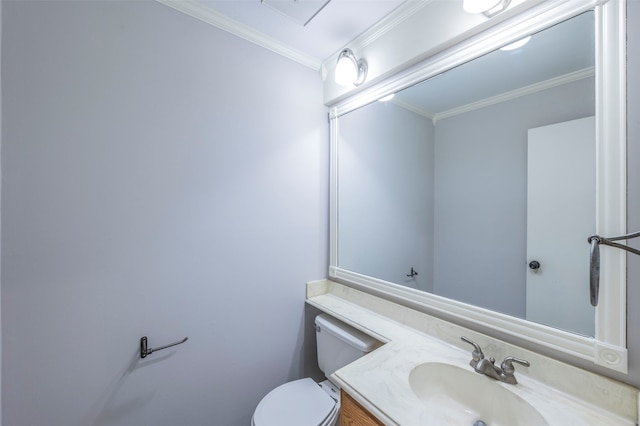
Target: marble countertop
563,394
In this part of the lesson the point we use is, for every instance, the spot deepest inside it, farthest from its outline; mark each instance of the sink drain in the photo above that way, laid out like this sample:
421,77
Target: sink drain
479,423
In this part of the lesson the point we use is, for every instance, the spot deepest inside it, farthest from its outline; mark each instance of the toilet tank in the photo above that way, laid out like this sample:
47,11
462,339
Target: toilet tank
340,344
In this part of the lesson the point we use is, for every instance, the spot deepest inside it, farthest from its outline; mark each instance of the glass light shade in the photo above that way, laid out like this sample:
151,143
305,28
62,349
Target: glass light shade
478,6
346,70
516,44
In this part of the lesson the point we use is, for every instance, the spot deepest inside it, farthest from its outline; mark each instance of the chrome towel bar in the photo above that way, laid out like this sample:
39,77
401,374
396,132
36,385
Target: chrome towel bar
144,350
594,260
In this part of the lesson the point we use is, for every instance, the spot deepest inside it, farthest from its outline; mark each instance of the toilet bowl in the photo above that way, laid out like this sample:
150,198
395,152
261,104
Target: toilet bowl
297,403
304,402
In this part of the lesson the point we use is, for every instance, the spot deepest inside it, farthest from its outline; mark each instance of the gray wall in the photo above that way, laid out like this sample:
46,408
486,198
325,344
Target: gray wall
160,177
481,195
386,194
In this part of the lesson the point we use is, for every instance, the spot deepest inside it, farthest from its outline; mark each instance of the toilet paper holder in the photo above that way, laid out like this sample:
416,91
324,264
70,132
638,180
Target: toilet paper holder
145,350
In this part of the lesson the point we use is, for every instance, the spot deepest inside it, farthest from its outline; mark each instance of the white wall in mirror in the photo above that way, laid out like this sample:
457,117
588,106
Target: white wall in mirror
608,347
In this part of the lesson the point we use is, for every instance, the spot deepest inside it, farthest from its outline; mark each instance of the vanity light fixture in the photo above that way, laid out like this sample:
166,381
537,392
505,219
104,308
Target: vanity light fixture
516,44
488,7
349,69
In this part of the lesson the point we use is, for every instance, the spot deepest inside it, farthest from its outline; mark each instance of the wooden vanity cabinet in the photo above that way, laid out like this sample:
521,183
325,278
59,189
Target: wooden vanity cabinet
354,414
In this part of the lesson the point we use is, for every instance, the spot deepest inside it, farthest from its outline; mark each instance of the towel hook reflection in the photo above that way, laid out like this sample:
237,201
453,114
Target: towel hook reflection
144,350
594,259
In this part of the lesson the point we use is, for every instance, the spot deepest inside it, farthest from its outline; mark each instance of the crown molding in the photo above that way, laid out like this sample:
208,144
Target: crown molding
205,14
389,22
210,16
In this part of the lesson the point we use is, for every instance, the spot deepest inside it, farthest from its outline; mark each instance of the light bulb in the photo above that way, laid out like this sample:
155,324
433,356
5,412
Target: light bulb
346,71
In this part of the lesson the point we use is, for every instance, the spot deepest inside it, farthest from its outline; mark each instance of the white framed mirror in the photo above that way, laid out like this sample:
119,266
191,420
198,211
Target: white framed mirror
433,205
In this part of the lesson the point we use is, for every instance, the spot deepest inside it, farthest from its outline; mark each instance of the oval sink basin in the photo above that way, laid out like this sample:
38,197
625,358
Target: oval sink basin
456,396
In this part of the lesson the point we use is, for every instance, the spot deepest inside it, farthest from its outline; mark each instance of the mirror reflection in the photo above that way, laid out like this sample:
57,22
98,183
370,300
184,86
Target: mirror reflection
478,185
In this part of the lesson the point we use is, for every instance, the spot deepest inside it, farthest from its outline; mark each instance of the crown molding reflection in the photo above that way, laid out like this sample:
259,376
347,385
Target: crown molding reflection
522,91
503,97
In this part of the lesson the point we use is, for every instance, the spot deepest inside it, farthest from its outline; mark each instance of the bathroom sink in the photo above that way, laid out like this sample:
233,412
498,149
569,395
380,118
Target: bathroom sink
459,396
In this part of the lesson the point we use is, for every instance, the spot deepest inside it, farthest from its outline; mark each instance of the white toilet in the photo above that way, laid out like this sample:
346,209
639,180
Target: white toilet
304,402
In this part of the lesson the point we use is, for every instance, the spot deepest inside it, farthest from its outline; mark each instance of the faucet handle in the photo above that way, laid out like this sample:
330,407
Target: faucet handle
507,364
477,354
508,369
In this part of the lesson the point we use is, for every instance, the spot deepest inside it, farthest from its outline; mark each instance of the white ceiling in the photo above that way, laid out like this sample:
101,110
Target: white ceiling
331,29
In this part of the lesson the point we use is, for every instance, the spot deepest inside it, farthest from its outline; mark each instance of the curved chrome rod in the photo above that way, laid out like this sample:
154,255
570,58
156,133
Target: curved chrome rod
594,261
610,241
144,350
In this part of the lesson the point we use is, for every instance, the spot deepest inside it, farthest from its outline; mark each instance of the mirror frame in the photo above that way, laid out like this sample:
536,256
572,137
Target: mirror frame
608,347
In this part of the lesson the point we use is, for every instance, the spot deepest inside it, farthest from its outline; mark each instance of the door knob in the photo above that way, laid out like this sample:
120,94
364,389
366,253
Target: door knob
534,264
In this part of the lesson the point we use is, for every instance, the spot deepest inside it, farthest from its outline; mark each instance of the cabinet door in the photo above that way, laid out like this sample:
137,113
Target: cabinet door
353,414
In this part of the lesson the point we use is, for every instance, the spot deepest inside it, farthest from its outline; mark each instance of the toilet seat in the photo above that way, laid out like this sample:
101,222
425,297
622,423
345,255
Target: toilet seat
298,403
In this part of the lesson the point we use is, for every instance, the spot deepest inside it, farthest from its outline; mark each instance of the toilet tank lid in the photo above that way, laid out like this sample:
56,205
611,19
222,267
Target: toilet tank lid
346,333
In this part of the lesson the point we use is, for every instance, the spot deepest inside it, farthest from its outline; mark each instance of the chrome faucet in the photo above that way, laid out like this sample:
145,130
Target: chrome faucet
508,369
504,373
